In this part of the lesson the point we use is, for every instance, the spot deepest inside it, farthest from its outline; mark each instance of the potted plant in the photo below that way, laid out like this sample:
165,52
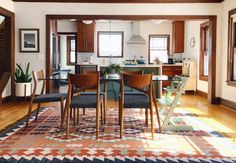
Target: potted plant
113,70
22,81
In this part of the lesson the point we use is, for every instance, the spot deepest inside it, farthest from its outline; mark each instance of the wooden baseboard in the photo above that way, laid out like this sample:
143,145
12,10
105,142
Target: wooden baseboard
201,93
228,103
5,100
188,92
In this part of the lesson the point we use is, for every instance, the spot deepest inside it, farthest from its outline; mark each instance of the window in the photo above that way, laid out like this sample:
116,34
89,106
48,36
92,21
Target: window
159,48
231,76
71,50
204,51
110,44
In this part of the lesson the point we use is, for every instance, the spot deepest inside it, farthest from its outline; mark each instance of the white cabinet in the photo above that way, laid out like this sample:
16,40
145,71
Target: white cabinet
189,69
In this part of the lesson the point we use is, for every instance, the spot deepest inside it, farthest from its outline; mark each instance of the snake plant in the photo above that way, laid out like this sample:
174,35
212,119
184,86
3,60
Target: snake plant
22,76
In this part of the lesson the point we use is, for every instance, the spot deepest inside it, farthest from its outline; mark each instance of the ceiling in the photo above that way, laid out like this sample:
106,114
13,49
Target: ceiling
125,1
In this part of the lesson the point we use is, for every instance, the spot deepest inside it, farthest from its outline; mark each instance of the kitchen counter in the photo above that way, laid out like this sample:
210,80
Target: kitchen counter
137,65
176,64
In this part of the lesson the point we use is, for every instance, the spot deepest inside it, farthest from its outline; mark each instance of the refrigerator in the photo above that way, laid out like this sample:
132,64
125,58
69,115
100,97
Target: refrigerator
190,69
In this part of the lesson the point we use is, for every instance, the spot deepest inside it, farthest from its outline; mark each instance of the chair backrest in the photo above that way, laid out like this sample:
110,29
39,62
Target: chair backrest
82,82
138,82
90,72
38,77
138,72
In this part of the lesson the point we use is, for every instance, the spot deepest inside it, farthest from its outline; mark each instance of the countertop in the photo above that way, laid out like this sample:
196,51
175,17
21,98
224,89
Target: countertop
137,65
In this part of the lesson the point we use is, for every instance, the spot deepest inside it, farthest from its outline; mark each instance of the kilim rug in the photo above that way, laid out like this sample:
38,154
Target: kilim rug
43,140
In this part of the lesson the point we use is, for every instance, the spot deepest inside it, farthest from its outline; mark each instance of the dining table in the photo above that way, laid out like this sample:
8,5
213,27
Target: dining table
167,124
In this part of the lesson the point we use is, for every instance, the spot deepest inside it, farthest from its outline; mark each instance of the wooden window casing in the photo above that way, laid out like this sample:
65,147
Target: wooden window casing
70,50
118,33
231,62
150,49
204,50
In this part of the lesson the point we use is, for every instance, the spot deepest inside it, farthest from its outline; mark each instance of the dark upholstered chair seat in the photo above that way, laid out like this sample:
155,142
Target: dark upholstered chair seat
51,97
85,101
92,93
136,100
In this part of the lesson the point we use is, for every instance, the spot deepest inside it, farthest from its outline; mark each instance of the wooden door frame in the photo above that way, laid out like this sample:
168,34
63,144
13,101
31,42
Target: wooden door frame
11,16
213,27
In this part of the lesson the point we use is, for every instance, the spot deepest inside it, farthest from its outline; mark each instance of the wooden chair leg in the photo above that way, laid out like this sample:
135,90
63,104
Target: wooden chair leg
83,111
97,122
37,112
74,116
101,112
62,112
152,121
104,108
146,116
77,115
158,116
63,117
29,113
68,122
121,121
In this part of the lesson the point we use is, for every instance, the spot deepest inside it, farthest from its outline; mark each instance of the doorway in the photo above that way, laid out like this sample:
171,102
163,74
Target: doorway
7,44
212,40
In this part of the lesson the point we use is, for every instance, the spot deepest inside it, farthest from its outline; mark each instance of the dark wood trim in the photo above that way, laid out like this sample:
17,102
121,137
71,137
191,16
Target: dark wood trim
158,35
38,39
212,61
228,103
230,60
201,93
203,27
10,16
213,25
122,44
4,100
131,17
68,49
125,1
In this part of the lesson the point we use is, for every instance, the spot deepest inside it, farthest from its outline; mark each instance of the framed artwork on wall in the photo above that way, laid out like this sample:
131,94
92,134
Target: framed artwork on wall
29,40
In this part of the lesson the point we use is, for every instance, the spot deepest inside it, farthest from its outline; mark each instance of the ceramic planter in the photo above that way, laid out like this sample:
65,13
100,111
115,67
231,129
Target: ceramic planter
23,89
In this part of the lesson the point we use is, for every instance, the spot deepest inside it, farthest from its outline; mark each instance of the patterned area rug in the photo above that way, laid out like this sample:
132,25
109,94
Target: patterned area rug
43,139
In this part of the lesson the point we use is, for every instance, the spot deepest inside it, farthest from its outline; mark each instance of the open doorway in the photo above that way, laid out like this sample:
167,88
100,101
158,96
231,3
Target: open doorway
212,41
7,49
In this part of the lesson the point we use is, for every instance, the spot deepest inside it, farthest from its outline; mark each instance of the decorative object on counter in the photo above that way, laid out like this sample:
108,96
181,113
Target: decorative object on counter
141,60
192,42
130,62
113,70
22,81
157,61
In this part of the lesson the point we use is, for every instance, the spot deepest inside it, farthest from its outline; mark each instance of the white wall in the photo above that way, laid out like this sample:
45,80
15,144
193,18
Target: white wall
227,92
7,4
66,26
192,29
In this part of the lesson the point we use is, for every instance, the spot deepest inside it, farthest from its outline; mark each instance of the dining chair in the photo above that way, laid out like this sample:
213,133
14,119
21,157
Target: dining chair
76,98
144,84
103,93
38,77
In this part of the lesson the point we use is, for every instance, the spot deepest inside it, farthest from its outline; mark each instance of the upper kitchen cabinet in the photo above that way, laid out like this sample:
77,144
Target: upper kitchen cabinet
178,36
85,37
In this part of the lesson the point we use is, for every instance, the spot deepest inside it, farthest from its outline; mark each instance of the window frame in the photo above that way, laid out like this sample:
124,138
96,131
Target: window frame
203,28
122,44
230,61
69,38
158,35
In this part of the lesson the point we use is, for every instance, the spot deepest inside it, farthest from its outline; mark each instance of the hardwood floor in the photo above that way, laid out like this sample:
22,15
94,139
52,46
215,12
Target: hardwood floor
223,117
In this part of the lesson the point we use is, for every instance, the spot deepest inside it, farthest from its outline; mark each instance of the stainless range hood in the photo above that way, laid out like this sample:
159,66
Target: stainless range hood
136,38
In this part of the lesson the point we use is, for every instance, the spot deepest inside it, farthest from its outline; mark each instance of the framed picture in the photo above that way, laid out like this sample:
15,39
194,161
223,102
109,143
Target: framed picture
29,40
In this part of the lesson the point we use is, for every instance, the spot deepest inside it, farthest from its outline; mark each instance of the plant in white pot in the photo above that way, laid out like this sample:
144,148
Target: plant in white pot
22,81
113,70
